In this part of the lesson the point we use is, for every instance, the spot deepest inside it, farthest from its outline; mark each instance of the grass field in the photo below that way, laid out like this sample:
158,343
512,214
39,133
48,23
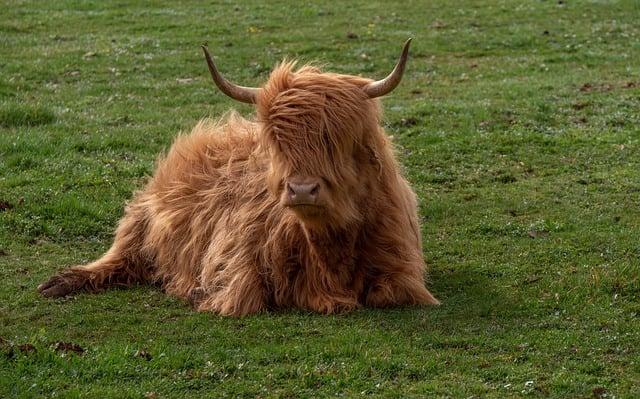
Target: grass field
518,124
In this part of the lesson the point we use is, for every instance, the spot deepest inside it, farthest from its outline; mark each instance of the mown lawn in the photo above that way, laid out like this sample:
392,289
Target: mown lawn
518,124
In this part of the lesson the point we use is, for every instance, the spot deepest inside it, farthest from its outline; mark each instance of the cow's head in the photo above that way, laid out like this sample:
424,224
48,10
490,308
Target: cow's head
321,131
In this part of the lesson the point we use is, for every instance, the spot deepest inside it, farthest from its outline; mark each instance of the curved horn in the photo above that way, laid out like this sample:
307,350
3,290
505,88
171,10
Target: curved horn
240,93
386,85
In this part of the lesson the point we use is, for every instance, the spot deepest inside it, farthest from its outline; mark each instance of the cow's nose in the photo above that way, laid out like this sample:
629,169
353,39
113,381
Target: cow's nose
303,194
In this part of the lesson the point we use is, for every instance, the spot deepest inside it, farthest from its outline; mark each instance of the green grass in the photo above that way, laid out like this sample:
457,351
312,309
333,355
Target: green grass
519,127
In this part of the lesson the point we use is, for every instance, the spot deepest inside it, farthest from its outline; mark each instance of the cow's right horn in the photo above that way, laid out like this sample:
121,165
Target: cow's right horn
386,85
240,93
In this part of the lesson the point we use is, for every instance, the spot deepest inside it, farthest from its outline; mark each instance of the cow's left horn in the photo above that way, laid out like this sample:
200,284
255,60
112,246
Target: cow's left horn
386,85
240,93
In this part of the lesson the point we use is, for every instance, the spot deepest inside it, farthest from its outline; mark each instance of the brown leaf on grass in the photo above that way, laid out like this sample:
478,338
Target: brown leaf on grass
351,35
4,205
599,392
587,87
6,348
537,233
410,121
579,105
532,279
630,85
26,348
68,347
151,395
438,24
143,354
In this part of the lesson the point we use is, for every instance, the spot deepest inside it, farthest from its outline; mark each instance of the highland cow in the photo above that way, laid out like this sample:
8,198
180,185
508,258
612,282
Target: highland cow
303,207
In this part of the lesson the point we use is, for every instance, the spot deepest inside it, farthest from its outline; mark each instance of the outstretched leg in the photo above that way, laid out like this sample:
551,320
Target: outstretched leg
123,265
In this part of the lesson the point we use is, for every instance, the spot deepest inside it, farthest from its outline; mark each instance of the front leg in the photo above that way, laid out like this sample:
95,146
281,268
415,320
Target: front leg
331,304
393,260
240,294
399,289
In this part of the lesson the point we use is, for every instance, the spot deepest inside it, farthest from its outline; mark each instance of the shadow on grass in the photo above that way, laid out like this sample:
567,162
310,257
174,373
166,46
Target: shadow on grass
471,301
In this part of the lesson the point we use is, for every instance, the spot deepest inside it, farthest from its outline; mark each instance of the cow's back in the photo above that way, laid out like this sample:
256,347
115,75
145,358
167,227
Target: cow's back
201,181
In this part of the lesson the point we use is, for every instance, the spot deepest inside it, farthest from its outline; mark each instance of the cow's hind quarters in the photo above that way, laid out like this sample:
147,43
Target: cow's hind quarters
65,283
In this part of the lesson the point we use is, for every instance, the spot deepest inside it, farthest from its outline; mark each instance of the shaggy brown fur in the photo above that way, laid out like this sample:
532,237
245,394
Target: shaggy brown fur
213,226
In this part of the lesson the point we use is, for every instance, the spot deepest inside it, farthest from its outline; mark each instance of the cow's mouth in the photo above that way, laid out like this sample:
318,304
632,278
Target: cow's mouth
307,210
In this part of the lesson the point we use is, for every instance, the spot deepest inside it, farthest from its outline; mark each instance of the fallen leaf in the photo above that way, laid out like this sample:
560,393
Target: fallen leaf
587,87
410,121
143,354
599,392
579,105
68,347
4,205
537,233
151,395
532,279
26,348
352,35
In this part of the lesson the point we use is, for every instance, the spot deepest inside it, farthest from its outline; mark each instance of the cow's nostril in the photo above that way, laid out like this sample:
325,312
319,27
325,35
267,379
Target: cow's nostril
290,190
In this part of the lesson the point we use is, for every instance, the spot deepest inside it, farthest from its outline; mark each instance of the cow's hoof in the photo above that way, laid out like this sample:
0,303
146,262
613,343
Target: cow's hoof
60,285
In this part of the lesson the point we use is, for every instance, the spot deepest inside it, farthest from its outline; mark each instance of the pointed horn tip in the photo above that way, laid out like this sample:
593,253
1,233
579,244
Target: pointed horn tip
381,87
239,93
407,44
